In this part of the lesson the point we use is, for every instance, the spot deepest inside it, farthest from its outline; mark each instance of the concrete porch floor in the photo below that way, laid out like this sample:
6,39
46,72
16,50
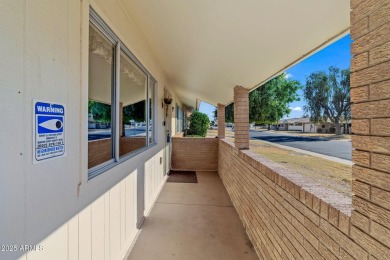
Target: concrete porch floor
193,221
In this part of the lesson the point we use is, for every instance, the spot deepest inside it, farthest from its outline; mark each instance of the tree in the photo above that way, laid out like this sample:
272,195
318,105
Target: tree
199,124
269,103
327,96
229,113
100,112
215,115
134,112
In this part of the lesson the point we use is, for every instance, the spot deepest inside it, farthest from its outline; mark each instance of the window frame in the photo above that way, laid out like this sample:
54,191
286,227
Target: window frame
177,118
99,23
180,119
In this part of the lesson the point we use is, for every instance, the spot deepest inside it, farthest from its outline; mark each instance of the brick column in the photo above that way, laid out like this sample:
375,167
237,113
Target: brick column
221,121
241,117
370,94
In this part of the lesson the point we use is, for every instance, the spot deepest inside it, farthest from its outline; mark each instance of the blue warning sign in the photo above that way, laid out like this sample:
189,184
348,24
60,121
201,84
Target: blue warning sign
49,128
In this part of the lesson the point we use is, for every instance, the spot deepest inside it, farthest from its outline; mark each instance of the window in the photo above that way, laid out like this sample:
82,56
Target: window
100,99
133,84
120,101
151,99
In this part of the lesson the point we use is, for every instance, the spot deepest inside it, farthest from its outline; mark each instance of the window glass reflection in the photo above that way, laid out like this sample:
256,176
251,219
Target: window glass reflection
101,57
133,84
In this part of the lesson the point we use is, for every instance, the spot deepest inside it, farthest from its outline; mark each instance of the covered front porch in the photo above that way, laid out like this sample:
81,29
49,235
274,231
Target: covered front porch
244,205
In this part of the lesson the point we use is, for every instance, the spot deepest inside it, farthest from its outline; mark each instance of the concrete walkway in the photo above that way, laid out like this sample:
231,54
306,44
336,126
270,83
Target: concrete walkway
193,221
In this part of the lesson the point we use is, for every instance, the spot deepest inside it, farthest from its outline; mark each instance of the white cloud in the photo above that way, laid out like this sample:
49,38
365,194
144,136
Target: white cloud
296,108
288,75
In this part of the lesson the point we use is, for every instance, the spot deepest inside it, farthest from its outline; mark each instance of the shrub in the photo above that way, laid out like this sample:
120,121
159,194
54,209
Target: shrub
199,124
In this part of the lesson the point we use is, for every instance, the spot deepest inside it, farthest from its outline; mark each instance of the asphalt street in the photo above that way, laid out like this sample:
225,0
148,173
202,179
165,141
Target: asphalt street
337,148
96,134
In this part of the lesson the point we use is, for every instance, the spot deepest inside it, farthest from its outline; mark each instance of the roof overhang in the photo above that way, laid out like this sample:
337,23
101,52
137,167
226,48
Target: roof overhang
207,47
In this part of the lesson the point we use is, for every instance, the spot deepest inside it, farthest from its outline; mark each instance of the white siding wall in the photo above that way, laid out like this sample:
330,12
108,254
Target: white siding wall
12,99
295,128
44,55
307,128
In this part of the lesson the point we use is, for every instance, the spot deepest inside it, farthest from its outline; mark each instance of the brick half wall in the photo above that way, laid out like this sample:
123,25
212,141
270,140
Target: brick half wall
130,144
286,215
196,154
99,151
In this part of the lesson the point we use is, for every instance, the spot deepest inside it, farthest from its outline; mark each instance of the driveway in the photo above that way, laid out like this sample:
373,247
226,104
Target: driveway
336,148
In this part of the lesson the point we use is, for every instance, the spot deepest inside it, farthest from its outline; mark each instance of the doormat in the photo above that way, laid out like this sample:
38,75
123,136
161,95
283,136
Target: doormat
182,177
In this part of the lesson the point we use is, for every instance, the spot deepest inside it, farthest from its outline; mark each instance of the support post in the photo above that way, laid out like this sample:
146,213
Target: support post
241,117
221,121
370,94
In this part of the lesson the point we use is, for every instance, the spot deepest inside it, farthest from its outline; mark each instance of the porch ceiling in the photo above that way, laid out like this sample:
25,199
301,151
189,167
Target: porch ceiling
207,47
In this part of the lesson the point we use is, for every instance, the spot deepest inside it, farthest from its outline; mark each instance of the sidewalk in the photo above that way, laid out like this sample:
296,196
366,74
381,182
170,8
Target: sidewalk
343,137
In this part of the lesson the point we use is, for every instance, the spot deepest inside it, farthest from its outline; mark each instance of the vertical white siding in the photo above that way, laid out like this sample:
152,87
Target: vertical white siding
47,73
97,231
54,246
115,222
122,213
12,102
154,179
130,214
85,234
73,238
106,226
44,55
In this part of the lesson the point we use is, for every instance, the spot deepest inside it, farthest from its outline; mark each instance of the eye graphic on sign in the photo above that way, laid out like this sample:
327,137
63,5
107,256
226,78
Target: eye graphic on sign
53,124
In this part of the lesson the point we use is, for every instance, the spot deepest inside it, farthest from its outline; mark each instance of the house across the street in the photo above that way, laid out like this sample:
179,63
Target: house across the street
304,125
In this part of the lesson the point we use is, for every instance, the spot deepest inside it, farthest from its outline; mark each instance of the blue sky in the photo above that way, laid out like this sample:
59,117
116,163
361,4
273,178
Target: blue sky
337,54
